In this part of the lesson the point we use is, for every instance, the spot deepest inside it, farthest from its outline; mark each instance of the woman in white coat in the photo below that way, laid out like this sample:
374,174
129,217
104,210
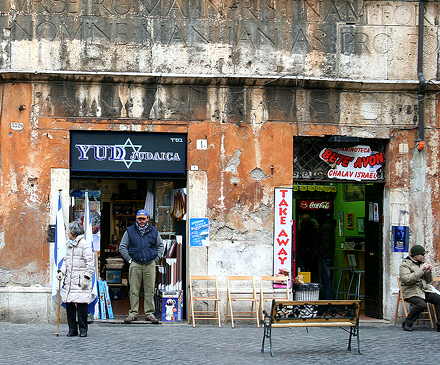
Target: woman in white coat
77,270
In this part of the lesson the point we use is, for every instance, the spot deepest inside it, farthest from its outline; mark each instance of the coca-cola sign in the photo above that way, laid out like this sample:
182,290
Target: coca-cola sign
315,204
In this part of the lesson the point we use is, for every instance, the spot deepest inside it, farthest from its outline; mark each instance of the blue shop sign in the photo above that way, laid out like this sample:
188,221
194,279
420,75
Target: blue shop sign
133,152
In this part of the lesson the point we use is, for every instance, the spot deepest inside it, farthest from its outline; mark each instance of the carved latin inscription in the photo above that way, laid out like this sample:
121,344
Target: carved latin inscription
257,24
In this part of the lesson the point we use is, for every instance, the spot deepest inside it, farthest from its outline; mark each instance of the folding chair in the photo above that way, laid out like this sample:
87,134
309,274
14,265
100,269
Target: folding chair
246,293
282,293
427,313
211,284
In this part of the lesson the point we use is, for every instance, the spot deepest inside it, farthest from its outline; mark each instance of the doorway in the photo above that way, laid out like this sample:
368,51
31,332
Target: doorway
355,212
113,204
342,178
373,251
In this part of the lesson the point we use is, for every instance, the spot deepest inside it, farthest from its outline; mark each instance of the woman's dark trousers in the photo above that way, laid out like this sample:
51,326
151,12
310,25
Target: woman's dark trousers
72,310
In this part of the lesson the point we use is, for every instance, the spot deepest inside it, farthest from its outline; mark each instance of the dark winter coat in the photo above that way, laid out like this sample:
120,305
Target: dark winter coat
142,248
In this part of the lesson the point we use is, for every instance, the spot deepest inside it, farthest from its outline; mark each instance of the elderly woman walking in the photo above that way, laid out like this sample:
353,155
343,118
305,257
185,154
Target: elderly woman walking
77,270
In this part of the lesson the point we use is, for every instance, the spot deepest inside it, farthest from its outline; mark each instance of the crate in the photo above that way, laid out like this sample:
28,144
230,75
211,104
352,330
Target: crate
169,305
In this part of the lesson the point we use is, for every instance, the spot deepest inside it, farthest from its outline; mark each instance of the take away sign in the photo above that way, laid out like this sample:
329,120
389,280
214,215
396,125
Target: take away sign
283,233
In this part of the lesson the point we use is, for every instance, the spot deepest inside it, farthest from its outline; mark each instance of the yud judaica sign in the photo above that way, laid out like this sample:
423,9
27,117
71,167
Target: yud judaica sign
133,152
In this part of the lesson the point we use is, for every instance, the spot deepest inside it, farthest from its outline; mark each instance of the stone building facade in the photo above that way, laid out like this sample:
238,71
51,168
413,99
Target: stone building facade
249,78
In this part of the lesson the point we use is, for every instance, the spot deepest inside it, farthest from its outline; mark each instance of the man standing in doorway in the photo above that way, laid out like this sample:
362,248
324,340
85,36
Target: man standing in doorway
142,247
415,275
307,233
325,251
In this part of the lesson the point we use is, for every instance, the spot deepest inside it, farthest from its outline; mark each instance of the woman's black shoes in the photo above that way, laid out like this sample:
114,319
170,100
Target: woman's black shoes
72,334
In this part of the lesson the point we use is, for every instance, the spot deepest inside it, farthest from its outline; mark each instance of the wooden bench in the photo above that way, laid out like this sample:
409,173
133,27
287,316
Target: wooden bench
317,313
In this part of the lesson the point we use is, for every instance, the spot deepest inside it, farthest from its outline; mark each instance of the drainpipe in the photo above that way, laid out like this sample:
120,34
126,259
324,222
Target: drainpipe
422,82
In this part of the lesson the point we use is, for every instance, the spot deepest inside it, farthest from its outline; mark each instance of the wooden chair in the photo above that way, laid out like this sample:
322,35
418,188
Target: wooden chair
268,296
427,313
245,293
211,285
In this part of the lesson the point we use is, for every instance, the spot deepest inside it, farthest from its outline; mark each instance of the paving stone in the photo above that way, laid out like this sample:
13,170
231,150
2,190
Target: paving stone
179,343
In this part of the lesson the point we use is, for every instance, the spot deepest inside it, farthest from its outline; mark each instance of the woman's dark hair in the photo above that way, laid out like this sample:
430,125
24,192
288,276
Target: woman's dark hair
76,229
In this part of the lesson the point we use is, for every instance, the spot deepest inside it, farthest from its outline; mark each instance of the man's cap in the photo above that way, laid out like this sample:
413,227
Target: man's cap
142,214
417,250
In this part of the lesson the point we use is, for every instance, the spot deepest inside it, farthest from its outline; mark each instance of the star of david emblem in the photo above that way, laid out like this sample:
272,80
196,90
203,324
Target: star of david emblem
135,148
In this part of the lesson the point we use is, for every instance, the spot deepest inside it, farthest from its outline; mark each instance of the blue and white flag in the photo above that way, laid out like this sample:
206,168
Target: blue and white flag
88,236
59,249
88,232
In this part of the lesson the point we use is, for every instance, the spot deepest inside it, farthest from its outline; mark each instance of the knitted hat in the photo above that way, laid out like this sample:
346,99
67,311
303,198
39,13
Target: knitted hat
417,250
142,214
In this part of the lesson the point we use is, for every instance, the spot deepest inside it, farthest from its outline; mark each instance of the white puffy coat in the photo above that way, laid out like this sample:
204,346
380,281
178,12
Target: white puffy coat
79,261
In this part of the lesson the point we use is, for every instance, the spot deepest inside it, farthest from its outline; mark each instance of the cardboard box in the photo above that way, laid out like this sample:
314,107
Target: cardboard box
307,276
169,305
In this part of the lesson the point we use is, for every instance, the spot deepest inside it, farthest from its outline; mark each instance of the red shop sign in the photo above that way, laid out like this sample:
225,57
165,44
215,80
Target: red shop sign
315,204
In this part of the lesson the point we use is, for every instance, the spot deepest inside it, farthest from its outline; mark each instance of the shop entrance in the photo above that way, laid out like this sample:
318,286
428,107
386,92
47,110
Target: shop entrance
113,204
338,199
124,172
336,221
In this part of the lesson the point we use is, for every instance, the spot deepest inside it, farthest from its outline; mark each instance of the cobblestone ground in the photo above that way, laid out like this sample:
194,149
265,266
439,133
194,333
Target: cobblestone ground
179,343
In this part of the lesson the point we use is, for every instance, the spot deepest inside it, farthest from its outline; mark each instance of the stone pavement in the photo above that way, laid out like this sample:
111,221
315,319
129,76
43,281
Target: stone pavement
179,343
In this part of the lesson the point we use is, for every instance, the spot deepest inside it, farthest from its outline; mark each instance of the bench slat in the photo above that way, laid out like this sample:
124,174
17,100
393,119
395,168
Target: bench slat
295,321
315,324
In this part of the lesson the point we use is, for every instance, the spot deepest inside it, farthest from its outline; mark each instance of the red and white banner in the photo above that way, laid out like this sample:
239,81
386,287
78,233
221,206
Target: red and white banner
283,233
314,204
352,163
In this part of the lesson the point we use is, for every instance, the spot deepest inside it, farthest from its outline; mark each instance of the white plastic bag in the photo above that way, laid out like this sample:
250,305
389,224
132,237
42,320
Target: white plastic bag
433,289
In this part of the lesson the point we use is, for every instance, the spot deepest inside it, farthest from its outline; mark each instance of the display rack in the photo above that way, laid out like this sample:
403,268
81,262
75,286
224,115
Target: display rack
169,270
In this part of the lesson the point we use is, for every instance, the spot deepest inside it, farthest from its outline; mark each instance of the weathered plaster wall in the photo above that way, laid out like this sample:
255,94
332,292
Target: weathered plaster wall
432,189
24,187
250,134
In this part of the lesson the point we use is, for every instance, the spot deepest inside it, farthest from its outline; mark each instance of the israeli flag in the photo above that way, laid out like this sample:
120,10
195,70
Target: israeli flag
88,236
59,249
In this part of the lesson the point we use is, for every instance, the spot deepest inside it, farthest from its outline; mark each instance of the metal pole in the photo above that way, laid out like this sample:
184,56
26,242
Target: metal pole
421,77
59,306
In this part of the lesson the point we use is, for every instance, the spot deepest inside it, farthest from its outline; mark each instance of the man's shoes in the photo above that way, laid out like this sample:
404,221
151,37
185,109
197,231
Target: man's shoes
438,328
72,334
152,319
84,334
408,328
130,319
